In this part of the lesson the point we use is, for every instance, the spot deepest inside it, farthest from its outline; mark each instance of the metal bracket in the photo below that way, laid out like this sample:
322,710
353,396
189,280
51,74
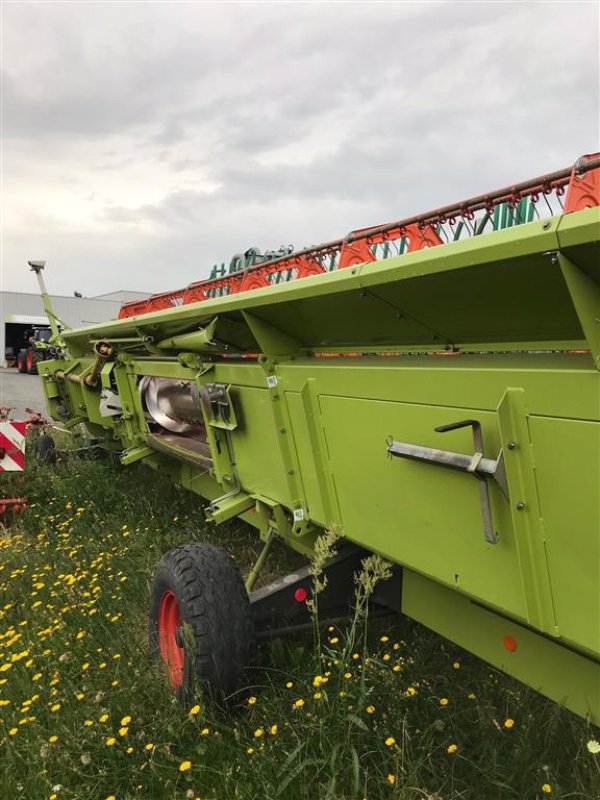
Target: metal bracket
475,464
216,399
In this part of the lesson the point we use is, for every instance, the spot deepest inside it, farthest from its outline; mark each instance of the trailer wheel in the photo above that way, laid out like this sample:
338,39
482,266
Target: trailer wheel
200,623
32,359
21,365
45,449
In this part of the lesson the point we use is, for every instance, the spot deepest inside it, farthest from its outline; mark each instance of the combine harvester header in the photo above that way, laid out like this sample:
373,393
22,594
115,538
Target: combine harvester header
477,476
533,199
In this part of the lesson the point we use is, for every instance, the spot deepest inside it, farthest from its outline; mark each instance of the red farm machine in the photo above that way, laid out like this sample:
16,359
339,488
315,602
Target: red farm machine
429,388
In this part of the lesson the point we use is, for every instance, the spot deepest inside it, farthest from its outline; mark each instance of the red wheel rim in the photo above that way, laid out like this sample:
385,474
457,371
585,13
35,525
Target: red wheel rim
168,623
28,360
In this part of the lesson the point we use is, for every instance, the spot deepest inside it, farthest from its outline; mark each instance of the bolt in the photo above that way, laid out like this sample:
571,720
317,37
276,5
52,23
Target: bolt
520,506
553,259
546,225
511,445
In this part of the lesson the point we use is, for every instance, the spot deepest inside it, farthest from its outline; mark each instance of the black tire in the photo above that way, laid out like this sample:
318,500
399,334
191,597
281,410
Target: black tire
34,357
212,600
21,365
45,449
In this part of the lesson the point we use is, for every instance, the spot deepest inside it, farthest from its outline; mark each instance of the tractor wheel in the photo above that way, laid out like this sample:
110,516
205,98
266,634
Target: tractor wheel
21,361
200,623
32,359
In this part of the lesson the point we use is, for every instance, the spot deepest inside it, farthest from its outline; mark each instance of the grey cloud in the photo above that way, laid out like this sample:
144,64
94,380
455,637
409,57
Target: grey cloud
302,122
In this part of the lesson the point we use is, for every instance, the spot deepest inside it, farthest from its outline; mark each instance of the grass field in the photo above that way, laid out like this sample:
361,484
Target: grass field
84,715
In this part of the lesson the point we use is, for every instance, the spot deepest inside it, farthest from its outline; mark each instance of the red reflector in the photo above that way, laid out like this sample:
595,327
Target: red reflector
509,643
300,595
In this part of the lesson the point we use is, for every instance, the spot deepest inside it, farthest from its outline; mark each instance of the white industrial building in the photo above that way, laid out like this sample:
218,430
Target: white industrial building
20,310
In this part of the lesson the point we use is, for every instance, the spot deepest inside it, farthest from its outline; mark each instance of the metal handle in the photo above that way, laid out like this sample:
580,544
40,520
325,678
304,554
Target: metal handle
475,464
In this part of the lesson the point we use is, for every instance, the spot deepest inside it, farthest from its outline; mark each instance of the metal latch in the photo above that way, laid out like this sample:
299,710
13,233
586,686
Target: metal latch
475,464
216,400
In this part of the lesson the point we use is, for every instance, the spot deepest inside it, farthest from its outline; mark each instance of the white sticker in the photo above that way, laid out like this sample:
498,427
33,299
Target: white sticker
298,515
271,381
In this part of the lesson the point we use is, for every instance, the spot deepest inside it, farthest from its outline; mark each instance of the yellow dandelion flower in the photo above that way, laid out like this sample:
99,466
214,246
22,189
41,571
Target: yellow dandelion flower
289,685
456,665
370,709
452,748
123,730
111,797
184,766
443,701
80,695
103,718
13,731
390,741
391,779
111,741
194,710
347,675
317,696
250,750
149,746
298,703
129,750
593,746
546,788
508,723
396,668
386,657
273,730
205,732
258,733
334,640
88,723
252,701
55,707
53,739
384,639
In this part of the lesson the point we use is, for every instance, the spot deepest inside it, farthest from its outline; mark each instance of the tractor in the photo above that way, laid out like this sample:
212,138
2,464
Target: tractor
38,349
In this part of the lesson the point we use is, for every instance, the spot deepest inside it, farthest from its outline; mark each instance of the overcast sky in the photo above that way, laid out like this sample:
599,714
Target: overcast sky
143,142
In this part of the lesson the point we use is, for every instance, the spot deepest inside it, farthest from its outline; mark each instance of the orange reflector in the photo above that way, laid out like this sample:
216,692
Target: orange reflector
510,643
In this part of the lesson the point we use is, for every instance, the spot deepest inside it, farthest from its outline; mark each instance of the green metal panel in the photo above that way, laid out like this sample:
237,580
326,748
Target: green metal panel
256,446
567,677
567,458
420,515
